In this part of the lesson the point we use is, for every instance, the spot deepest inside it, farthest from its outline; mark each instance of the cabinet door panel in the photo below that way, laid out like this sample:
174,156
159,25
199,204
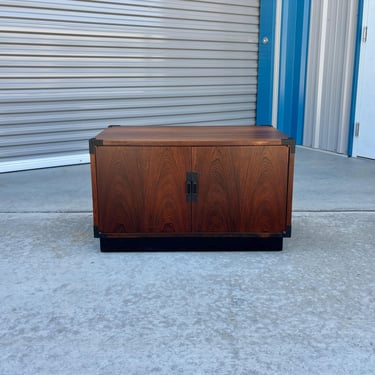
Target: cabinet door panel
241,189
142,189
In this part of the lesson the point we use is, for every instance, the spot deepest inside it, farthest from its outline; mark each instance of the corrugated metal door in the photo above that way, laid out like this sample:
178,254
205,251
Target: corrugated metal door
330,74
71,68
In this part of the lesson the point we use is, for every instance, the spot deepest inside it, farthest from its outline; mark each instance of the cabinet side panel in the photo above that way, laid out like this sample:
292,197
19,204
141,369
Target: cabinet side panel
94,188
241,189
142,189
290,191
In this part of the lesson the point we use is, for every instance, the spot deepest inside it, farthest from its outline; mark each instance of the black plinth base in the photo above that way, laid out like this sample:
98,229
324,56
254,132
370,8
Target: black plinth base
192,244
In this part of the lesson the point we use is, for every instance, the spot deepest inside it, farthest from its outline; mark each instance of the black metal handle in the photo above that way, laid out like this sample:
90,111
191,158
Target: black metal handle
194,193
188,187
191,186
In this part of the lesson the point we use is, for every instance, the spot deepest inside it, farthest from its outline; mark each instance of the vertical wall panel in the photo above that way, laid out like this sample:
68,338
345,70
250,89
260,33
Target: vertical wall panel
329,74
70,68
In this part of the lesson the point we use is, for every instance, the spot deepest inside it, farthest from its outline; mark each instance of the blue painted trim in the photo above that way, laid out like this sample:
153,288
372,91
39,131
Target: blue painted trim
295,25
303,71
266,62
353,105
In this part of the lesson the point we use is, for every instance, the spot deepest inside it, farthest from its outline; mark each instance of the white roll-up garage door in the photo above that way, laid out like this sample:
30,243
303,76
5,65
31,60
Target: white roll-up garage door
70,68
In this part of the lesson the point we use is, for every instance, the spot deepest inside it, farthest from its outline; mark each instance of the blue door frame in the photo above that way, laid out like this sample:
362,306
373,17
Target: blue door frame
295,24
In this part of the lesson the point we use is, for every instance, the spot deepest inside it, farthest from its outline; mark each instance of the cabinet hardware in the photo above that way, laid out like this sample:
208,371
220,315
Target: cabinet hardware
191,186
188,187
194,193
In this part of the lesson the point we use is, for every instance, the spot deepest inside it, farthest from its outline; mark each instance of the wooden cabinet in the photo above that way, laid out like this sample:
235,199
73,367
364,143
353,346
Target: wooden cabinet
192,187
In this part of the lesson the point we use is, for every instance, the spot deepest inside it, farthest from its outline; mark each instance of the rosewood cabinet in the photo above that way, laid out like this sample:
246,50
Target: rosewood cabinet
192,187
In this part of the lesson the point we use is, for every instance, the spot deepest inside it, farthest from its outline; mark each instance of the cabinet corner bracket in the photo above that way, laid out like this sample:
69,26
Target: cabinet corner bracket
97,233
288,232
94,142
291,143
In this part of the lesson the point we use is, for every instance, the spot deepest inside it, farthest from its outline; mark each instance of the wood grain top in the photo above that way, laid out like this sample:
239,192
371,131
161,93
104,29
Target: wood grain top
191,135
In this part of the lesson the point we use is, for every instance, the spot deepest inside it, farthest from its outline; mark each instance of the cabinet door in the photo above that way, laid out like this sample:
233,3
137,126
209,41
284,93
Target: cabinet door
142,189
240,189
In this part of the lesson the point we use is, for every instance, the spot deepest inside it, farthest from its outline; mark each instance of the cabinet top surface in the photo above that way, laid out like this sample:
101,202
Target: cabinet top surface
191,135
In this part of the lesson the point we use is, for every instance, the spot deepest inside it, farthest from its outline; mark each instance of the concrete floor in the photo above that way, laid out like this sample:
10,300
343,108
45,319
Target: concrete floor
66,308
